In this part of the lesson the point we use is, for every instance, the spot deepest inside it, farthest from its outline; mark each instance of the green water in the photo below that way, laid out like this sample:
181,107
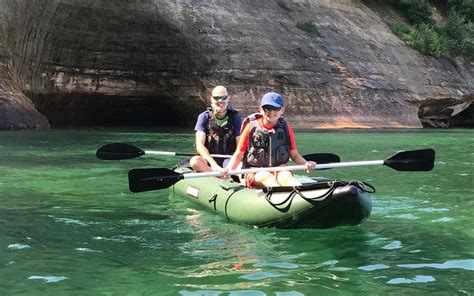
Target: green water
69,225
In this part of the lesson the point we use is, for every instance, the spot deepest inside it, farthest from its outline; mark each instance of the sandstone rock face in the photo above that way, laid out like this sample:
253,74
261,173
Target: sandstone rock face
16,110
127,62
447,112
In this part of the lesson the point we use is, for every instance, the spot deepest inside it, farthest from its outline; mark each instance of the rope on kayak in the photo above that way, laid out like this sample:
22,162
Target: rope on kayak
366,187
297,190
227,200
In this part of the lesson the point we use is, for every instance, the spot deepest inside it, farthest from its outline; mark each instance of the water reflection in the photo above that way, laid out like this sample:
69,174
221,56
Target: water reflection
48,278
226,253
63,213
467,264
416,279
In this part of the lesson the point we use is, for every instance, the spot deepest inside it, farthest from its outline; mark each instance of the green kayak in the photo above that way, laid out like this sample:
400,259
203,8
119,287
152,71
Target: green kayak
318,203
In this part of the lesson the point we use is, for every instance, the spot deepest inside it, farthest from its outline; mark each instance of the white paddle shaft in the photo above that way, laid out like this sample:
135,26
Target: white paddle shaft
285,168
155,152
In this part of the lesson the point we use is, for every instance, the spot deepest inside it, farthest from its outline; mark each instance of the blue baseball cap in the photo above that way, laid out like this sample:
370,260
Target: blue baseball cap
273,99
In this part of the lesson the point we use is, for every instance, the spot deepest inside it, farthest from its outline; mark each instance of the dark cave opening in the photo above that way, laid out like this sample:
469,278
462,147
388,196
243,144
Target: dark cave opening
100,110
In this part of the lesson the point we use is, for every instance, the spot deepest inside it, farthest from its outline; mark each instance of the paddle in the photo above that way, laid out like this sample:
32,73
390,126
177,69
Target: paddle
119,151
151,179
321,158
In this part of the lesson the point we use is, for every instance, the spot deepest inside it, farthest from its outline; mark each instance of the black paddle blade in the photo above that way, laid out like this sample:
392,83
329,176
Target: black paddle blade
140,180
322,157
118,151
415,160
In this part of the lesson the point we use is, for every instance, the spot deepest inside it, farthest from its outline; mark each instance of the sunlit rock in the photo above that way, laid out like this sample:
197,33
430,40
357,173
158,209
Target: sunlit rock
154,62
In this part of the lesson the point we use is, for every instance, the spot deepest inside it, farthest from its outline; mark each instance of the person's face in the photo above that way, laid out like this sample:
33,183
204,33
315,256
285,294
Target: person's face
219,103
271,114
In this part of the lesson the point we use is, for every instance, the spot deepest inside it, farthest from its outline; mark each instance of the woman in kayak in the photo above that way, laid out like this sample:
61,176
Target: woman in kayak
217,132
267,140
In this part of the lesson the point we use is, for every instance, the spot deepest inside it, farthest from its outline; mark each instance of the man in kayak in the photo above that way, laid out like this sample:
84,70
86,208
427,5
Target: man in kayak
217,132
267,140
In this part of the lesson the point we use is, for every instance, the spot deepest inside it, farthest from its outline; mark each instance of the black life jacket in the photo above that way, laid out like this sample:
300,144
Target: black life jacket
267,148
221,139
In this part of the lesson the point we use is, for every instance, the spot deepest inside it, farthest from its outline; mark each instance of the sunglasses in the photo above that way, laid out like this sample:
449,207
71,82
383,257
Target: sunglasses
268,108
221,98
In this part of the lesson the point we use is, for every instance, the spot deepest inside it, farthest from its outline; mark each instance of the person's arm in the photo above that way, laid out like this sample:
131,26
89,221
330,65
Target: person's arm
237,127
203,151
235,160
296,156
240,151
200,141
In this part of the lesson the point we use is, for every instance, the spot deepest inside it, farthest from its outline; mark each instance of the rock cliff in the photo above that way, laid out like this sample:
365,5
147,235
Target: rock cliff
123,62
16,110
447,112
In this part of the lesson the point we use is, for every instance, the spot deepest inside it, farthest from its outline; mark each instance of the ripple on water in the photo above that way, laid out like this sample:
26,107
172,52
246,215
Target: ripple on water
289,293
88,250
256,276
433,210
443,219
467,264
404,216
416,279
330,262
69,221
393,245
232,293
48,278
374,267
277,264
18,246
118,238
340,268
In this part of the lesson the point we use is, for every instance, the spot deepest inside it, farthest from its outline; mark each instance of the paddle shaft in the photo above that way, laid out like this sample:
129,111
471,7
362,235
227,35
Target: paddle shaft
151,179
168,153
285,168
120,151
317,157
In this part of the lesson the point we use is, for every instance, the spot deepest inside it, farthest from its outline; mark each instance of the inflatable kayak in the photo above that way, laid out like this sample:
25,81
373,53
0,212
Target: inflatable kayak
318,203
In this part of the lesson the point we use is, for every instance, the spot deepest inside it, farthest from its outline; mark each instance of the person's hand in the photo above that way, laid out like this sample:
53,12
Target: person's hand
310,165
224,173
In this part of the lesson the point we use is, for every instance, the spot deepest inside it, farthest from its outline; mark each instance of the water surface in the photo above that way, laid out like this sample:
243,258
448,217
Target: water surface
69,225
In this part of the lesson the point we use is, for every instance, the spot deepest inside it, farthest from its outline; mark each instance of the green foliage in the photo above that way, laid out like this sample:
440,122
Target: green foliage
416,11
464,8
461,34
308,26
429,41
455,39
399,29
